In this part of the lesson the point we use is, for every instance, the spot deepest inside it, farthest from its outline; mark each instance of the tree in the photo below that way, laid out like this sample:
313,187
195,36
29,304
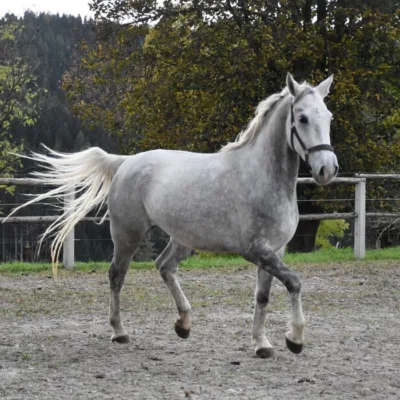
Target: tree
203,66
18,93
45,45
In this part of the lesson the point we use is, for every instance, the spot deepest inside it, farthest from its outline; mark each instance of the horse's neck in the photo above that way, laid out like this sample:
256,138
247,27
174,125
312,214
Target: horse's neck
271,148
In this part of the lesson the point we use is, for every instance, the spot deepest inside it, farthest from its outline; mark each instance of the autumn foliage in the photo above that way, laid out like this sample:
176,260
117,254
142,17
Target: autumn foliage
188,75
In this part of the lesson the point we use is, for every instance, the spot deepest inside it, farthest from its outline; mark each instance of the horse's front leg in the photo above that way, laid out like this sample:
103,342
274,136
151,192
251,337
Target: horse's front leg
263,346
269,262
167,263
295,337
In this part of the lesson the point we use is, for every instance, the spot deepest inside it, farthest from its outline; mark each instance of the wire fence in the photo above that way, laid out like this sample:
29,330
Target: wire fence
19,241
18,248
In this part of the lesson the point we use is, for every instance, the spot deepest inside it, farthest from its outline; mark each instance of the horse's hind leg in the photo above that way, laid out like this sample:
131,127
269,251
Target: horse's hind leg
167,263
125,246
263,346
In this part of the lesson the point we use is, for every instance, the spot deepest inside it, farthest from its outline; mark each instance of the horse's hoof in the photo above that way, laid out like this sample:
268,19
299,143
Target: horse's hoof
120,339
265,352
180,331
294,347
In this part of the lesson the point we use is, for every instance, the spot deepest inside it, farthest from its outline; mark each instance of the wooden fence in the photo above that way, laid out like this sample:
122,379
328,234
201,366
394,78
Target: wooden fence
359,214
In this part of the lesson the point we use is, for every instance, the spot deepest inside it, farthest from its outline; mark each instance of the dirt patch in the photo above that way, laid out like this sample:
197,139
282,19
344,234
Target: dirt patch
55,337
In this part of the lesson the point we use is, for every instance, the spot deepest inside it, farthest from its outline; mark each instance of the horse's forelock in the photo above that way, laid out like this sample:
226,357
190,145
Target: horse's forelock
307,89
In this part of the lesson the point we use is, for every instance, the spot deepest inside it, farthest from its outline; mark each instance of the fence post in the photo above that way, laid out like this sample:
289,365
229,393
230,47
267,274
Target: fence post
359,227
69,242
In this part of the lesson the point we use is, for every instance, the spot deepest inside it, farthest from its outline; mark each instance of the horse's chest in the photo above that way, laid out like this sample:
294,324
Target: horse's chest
289,222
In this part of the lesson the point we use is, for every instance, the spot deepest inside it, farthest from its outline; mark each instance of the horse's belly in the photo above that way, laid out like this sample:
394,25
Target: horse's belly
203,234
209,242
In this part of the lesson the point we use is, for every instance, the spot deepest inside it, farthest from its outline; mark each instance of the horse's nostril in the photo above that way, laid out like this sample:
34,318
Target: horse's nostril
321,172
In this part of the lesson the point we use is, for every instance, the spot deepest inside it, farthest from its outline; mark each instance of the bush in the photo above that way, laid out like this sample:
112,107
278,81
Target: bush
146,251
330,230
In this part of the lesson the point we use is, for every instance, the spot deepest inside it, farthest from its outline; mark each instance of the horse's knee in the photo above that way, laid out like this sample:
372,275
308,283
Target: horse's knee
293,283
164,272
167,269
262,298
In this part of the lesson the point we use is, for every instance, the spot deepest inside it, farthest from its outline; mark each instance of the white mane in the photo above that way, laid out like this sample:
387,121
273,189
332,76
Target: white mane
253,129
250,133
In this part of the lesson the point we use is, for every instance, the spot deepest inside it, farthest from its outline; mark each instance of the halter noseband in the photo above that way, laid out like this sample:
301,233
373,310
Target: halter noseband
306,151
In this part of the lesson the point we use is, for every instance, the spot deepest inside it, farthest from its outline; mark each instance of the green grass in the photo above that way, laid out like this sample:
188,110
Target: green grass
317,257
340,255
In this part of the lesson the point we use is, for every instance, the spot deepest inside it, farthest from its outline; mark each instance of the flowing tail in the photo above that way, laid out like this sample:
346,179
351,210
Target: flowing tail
87,174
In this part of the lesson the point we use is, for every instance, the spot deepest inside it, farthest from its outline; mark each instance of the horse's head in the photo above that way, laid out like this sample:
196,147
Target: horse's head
310,128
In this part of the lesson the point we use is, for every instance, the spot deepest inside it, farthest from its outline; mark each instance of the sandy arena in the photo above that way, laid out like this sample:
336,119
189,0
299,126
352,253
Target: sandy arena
55,337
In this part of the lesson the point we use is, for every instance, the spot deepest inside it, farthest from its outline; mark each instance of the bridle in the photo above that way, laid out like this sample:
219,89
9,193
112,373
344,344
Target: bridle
306,151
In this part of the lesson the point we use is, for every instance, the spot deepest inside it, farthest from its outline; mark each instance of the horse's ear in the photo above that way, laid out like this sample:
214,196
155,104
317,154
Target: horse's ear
293,86
323,87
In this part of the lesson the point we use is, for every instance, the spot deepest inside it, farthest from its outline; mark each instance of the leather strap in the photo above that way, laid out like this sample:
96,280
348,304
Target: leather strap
306,151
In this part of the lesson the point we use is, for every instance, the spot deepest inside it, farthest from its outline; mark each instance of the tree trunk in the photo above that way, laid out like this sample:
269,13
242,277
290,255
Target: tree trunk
340,19
304,239
307,13
321,21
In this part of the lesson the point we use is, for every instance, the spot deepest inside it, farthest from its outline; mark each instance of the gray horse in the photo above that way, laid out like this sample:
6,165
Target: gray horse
240,200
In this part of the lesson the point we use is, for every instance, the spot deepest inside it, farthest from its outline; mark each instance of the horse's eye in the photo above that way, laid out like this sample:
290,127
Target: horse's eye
303,119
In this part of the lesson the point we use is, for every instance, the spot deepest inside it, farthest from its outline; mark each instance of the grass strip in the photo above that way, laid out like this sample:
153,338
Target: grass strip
204,261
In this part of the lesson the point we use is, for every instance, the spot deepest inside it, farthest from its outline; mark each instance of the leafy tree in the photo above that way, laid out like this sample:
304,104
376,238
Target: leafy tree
18,93
43,46
203,66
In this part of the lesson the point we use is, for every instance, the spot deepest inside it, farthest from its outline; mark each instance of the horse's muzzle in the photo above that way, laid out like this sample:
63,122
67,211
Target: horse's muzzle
324,169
